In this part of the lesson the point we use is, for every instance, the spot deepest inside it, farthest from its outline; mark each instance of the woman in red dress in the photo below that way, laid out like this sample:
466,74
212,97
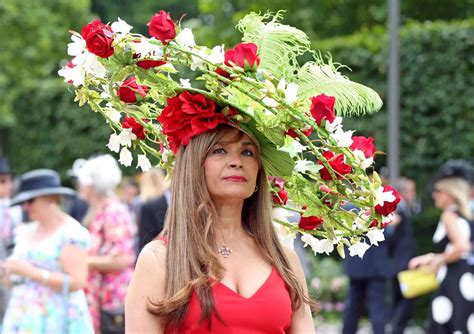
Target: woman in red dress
218,266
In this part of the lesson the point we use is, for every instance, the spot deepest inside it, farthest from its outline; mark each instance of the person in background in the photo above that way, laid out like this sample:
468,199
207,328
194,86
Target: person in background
112,254
155,195
402,247
129,194
452,306
76,206
48,267
10,218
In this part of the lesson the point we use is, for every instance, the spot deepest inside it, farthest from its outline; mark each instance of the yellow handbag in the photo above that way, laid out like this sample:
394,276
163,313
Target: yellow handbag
417,282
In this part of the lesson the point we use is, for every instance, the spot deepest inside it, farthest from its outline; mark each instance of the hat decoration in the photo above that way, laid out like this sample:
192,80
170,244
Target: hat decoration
143,87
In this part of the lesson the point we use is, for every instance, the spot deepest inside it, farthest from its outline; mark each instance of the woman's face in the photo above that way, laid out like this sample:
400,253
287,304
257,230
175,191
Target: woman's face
441,198
231,168
36,207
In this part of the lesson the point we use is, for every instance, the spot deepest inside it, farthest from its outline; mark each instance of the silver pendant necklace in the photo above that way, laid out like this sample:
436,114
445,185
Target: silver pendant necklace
224,251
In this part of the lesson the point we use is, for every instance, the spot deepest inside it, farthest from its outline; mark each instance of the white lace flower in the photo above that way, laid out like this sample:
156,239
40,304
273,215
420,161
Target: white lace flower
358,249
381,196
337,123
185,83
186,38
77,47
145,48
113,114
292,146
76,75
375,235
121,27
143,162
126,157
343,138
307,165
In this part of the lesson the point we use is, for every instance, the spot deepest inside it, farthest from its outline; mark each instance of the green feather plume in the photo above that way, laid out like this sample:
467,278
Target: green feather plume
279,46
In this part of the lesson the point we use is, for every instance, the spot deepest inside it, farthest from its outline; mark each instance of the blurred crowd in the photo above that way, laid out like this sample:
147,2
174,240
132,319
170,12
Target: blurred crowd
83,243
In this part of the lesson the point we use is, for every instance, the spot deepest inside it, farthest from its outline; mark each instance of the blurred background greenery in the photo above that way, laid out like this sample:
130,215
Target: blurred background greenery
41,126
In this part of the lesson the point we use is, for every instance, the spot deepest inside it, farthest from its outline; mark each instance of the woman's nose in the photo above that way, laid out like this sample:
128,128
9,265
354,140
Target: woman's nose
235,160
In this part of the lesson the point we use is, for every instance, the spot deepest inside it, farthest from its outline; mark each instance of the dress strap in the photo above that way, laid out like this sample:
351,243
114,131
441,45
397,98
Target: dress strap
164,239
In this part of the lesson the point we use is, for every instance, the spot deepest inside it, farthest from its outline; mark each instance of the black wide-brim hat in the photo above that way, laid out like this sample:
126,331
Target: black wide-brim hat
39,182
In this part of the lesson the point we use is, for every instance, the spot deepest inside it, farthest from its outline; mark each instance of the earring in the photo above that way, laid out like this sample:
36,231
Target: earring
256,189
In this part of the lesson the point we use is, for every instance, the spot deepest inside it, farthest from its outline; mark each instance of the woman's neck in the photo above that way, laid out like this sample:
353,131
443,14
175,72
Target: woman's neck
51,220
229,220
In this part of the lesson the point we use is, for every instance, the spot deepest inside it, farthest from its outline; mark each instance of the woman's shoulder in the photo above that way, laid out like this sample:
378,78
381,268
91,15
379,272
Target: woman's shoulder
154,253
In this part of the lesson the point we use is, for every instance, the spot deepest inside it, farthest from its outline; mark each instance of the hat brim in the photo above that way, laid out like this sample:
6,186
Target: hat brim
27,195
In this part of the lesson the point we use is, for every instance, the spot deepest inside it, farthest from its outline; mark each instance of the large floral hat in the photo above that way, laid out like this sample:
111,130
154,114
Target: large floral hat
158,92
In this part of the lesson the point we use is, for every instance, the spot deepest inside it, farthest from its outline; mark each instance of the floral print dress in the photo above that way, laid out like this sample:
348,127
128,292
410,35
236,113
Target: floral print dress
36,308
112,233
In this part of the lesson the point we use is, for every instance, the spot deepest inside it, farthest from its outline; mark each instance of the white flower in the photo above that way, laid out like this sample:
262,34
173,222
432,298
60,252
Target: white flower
126,137
186,38
77,47
185,83
125,157
362,160
114,143
92,65
382,196
318,246
143,162
75,74
291,93
375,235
343,138
144,48
358,249
292,146
121,27
337,123
268,101
361,221
113,114
305,165
166,154
105,94
281,214
217,55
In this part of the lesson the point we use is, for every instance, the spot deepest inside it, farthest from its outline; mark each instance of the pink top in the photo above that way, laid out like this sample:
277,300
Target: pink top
267,311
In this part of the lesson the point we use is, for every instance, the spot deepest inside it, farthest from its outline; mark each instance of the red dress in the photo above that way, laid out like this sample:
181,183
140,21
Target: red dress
267,311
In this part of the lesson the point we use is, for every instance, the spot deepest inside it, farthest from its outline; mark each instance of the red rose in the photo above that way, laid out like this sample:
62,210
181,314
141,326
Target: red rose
307,130
243,55
161,26
129,89
309,223
137,128
187,115
148,63
279,194
388,207
364,144
375,223
322,106
337,164
99,38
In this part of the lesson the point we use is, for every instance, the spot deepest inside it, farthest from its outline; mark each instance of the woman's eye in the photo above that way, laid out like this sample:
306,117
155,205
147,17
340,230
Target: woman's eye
248,153
219,150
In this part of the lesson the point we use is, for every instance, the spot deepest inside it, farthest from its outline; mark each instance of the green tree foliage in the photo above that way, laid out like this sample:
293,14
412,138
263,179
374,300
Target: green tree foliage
437,90
46,128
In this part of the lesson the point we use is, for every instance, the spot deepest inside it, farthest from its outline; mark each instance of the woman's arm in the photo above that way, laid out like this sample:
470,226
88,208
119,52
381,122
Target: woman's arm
73,260
460,245
302,320
148,282
109,263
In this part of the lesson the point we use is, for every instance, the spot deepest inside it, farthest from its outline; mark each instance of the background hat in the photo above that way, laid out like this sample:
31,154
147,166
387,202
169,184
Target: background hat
39,182
4,166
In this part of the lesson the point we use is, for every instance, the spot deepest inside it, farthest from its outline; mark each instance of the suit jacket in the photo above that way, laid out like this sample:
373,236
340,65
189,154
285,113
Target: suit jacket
152,220
402,245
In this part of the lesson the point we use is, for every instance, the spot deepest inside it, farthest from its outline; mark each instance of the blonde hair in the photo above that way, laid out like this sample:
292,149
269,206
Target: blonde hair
458,189
152,184
191,258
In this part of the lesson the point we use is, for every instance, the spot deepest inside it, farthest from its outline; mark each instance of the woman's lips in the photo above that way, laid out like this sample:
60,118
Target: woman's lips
235,178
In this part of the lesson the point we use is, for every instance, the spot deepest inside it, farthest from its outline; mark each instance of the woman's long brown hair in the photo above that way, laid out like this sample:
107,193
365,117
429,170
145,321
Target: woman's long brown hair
191,257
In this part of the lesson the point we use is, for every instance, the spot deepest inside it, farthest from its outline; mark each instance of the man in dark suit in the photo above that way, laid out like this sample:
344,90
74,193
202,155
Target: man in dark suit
152,219
402,246
368,278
